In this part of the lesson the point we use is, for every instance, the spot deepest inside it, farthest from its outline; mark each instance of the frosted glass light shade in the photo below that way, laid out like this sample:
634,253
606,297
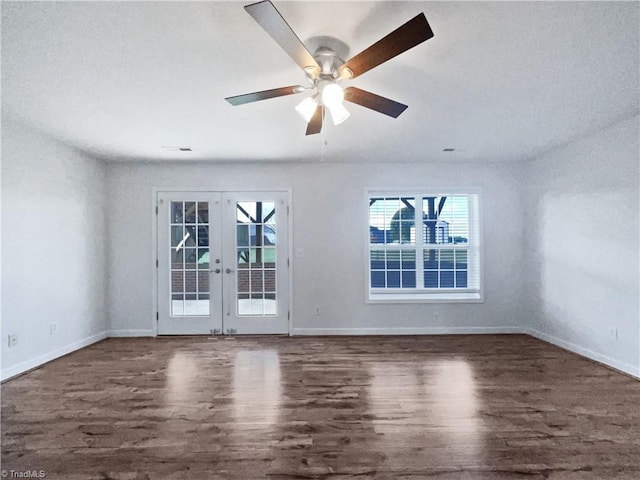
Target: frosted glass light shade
332,95
338,113
307,108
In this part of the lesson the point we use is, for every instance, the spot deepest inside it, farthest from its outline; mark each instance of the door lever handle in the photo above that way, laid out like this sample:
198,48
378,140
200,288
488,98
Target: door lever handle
217,270
228,270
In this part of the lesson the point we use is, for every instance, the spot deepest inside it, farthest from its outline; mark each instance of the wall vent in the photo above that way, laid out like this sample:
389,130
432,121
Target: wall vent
176,148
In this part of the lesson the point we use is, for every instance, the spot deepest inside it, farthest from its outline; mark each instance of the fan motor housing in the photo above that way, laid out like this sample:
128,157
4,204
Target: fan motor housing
329,62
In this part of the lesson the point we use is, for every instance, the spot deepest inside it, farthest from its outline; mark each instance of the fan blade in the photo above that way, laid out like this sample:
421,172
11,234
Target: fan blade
374,102
412,33
315,125
277,27
264,95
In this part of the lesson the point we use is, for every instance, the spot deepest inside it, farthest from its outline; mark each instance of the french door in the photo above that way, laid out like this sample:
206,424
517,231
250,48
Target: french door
222,263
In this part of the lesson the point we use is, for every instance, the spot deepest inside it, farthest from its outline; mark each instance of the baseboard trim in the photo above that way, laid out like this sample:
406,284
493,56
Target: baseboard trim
408,331
27,365
131,333
623,367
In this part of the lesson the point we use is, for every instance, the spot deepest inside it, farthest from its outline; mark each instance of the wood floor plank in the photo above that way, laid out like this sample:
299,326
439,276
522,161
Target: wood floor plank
278,408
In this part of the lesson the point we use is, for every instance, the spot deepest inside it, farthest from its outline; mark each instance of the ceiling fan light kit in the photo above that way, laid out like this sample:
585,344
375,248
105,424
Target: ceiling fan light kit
307,108
325,69
332,95
338,113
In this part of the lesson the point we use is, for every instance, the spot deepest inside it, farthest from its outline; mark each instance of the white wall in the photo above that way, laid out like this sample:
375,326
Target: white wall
53,248
329,222
582,246
567,271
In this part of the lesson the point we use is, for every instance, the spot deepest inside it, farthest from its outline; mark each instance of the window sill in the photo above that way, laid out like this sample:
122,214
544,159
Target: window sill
437,297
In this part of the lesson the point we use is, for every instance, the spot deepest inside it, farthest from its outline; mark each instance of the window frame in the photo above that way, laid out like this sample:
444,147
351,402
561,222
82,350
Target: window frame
430,295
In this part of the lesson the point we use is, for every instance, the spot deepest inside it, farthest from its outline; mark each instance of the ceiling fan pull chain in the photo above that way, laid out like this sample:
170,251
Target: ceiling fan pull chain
324,130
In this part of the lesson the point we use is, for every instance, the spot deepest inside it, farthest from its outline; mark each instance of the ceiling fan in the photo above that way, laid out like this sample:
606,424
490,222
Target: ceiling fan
325,70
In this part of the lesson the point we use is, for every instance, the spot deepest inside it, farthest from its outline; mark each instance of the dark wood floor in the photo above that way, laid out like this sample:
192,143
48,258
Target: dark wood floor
444,407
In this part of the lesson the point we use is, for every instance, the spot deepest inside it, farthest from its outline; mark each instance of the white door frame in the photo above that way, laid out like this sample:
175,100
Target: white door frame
155,247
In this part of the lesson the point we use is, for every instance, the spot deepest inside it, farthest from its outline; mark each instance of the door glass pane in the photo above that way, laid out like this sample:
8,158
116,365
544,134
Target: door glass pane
269,235
203,212
257,304
243,258
270,281
190,212
189,236
203,259
177,236
203,283
242,235
269,212
203,304
177,212
177,305
189,259
177,281
255,244
190,282
190,304
177,259
203,236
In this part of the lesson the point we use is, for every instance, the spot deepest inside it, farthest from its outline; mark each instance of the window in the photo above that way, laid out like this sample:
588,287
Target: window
435,259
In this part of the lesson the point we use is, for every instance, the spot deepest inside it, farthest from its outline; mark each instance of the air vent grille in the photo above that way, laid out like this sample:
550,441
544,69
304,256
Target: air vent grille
176,148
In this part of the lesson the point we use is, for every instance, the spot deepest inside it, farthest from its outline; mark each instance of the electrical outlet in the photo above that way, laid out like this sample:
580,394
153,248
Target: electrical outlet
436,316
13,340
317,310
613,333
53,328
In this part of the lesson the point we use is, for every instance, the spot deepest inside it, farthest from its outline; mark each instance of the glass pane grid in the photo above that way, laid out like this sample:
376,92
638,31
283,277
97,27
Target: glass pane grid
446,219
256,258
445,268
444,237
393,268
392,220
189,258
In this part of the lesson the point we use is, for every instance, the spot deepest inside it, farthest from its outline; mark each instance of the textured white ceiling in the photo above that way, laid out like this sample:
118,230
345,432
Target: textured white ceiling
499,81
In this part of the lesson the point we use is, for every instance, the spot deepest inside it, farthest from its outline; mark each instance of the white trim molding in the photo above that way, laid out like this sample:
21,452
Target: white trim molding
629,369
40,360
132,333
409,331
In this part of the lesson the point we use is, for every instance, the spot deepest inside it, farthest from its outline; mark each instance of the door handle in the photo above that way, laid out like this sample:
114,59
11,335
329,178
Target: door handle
228,270
217,270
